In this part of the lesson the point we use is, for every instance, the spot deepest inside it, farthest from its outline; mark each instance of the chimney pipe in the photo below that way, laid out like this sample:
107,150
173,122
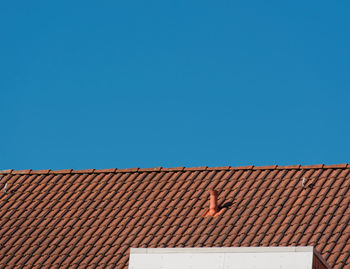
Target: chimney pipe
213,205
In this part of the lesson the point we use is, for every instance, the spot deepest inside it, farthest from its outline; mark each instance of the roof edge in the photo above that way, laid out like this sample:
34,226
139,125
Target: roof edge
172,169
222,250
323,261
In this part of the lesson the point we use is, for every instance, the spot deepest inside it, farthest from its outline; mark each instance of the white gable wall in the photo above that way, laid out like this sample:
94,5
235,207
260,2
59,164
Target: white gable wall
222,258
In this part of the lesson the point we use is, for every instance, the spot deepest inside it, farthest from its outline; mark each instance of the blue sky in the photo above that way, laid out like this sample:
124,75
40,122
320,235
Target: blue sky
117,84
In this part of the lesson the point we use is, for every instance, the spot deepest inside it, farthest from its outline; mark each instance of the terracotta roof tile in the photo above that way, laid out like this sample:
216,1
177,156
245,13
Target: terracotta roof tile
113,170
40,172
8,171
249,167
128,170
173,169
67,171
196,168
92,217
288,167
344,165
155,169
316,166
21,172
85,171
271,167
222,168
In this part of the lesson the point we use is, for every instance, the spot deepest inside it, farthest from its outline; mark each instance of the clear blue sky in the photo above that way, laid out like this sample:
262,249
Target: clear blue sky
117,84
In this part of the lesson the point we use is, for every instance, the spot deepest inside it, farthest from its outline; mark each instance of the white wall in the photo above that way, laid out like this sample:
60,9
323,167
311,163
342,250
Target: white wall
222,258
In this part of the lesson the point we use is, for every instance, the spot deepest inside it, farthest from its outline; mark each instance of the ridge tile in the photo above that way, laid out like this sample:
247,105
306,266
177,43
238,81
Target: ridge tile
271,167
39,172
288,167
128,170
83,171
21,172
112,170
66,171
219,168
249,167
201,168
344,165
315,166
155,169
171,169
8,171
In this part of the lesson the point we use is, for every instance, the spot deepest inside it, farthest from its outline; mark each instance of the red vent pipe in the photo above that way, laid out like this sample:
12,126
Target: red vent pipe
213,205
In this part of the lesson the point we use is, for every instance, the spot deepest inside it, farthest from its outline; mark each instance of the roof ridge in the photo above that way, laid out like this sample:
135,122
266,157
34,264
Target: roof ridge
172,169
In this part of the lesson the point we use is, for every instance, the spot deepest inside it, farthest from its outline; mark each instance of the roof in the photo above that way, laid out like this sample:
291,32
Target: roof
92,217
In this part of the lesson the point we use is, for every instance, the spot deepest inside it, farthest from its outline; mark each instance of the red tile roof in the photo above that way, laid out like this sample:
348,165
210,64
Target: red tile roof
92,217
